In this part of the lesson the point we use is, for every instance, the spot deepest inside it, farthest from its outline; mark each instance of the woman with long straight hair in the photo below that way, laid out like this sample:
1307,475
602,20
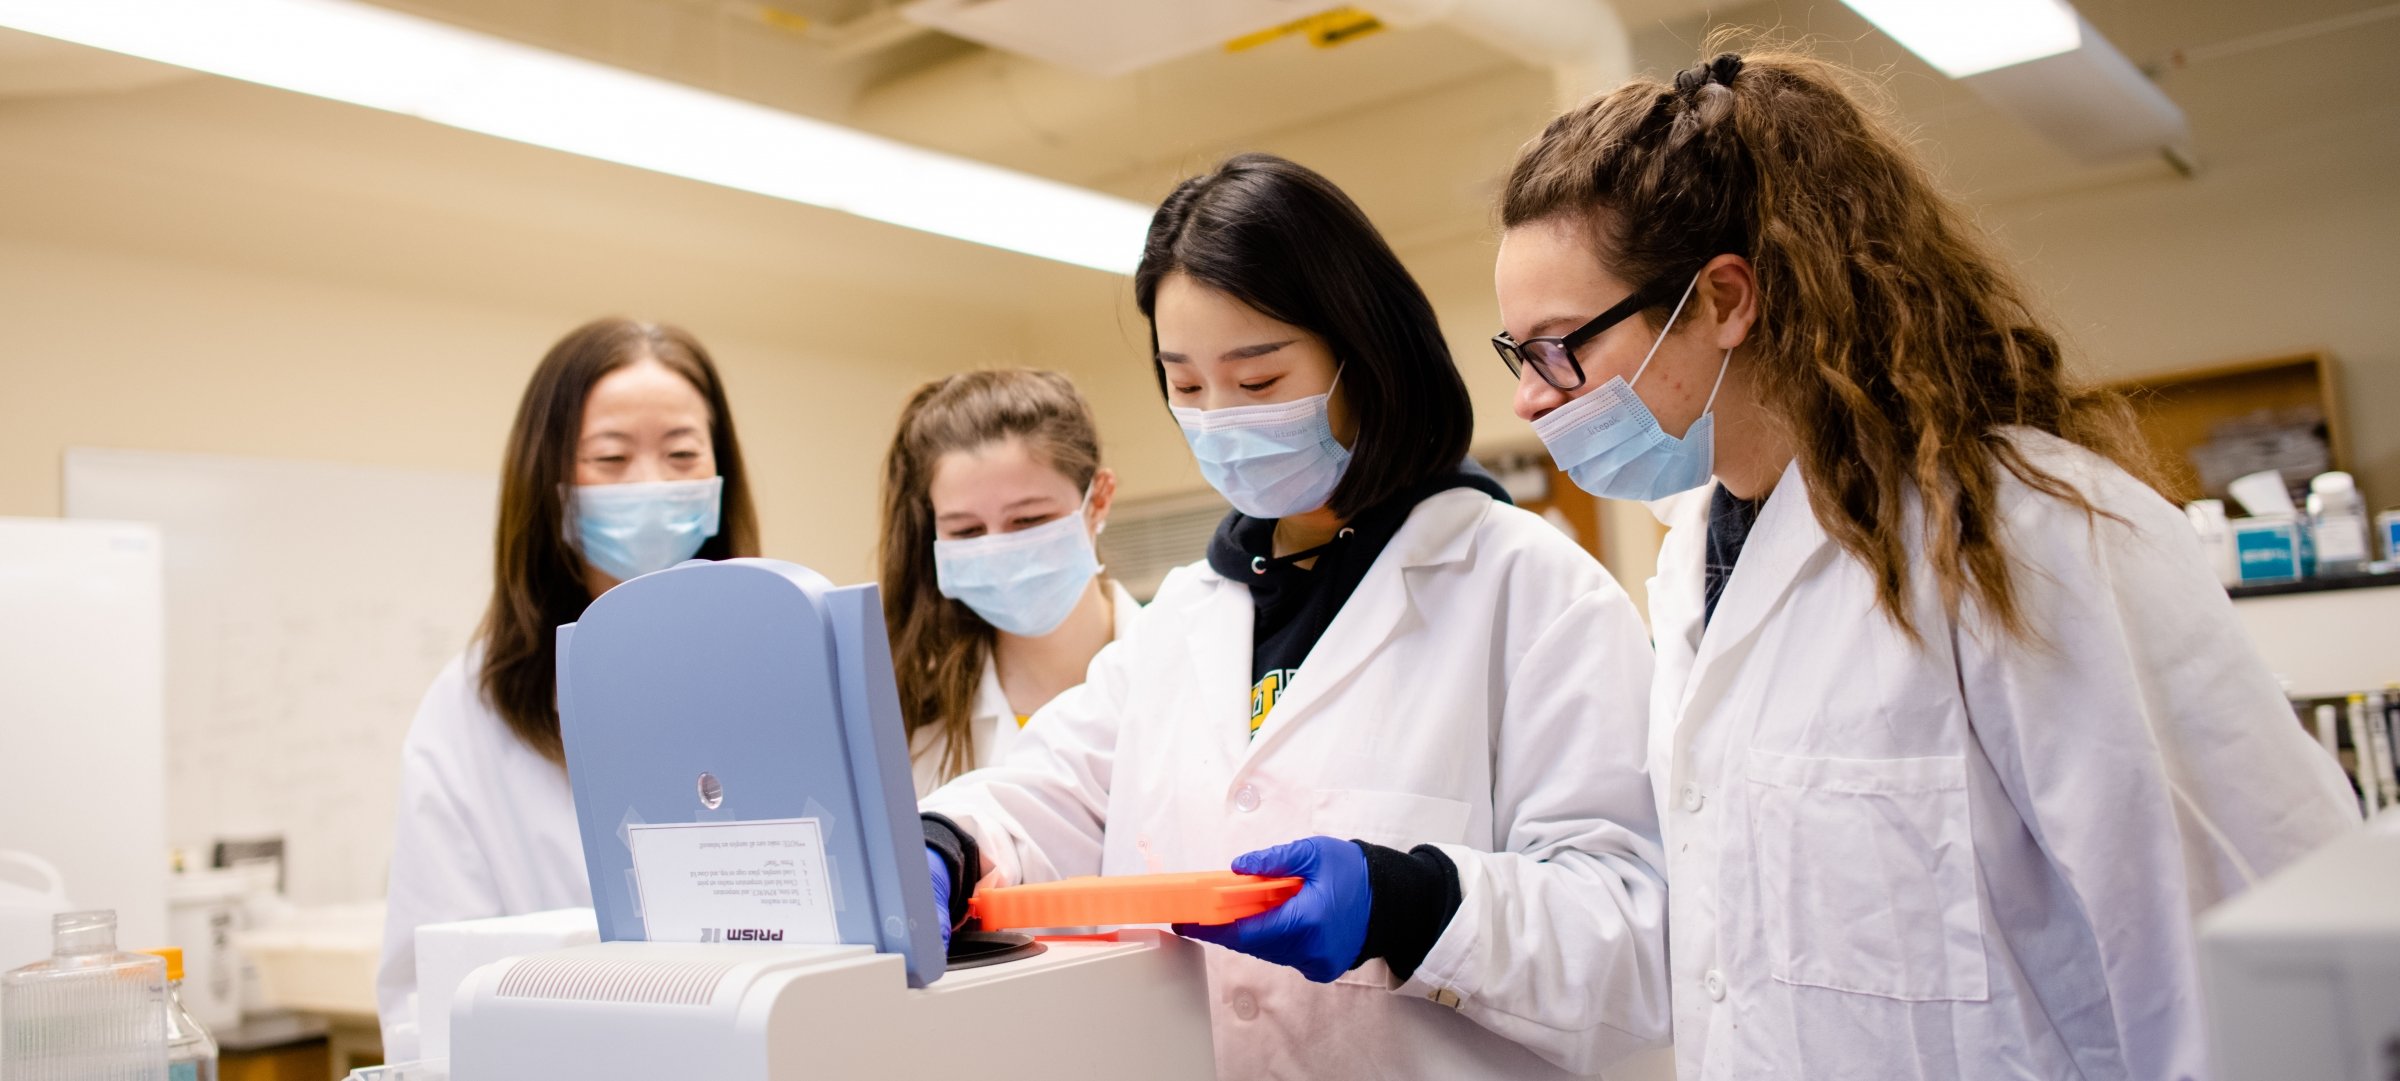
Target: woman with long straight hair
622,461
1371,683
993,497
1954,733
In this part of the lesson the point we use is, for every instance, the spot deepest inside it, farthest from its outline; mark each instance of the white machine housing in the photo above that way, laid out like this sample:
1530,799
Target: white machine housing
2302,973
1131,1004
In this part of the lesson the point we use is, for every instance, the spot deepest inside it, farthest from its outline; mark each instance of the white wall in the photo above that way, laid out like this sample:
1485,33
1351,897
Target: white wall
208,267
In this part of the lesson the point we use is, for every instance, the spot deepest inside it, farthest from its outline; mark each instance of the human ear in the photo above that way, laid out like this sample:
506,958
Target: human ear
1104,494
1729,293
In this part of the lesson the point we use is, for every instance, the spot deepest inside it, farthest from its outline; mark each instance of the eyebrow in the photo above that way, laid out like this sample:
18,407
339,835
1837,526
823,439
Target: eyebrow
1557,322
611,433
1247,352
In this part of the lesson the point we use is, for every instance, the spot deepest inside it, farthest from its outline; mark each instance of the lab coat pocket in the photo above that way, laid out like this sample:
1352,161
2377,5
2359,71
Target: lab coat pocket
1401,820
1865,871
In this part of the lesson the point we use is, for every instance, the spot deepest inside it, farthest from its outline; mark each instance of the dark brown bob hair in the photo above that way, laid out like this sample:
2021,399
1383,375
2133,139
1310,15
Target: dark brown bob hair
1285,241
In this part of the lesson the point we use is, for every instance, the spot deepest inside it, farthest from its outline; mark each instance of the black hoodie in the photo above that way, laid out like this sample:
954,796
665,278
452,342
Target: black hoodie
1415,892
1295,604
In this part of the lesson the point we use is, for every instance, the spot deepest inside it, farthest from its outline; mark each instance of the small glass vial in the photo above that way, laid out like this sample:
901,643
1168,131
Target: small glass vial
191,1052
89,1013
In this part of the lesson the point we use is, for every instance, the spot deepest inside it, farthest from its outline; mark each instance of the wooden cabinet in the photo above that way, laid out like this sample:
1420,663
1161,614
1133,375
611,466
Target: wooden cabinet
2183,411
1537,485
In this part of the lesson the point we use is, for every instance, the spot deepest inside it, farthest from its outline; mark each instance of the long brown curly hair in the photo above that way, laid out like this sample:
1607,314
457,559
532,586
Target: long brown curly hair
1892,344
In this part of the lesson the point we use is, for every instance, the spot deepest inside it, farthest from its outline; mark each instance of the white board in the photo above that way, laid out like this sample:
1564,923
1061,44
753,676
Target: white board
309,604
81,733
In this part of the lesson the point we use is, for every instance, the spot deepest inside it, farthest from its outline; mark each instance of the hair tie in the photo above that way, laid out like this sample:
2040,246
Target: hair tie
1720,71
1725,67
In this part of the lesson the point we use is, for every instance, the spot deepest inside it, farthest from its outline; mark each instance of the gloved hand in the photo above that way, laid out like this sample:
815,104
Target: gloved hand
941,891
1318,930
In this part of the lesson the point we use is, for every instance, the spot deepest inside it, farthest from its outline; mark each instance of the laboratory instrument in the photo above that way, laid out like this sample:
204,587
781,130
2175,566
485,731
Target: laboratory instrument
742,784
2301,974
191,1051
89,1013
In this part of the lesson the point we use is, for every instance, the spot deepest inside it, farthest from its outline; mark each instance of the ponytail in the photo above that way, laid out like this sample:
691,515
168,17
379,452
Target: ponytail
1893,346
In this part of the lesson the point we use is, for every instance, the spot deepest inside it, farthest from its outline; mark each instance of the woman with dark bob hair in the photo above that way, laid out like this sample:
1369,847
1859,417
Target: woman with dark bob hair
1368,684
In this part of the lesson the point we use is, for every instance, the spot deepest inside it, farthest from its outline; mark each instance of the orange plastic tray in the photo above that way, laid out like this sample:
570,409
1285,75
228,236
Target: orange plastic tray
1190,897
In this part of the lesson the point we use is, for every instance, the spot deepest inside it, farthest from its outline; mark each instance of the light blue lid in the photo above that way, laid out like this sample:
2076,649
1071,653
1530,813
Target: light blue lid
778,685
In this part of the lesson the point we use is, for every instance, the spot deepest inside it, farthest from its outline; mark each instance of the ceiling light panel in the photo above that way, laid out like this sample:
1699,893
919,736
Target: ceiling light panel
1969,37
366,55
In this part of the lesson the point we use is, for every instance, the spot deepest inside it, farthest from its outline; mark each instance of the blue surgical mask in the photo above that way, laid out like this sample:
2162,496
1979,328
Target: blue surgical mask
1026,582
1269,461
629,530
1610,443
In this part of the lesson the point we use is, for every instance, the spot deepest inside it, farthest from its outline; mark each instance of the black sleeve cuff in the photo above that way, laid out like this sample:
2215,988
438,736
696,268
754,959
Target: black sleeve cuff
1414,894
957,848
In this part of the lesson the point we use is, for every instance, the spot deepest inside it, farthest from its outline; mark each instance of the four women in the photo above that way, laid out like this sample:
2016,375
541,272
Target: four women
1952,734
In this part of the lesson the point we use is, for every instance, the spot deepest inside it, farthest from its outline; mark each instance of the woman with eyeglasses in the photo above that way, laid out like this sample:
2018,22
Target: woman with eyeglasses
1383,679
1954,733
993,494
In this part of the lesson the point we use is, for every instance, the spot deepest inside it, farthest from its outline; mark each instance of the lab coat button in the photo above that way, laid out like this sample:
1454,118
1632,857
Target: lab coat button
1246,798
1715,982
1244,1006
1692,799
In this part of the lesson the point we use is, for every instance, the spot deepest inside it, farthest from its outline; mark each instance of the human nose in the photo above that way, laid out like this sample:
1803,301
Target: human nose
1535,396
646,467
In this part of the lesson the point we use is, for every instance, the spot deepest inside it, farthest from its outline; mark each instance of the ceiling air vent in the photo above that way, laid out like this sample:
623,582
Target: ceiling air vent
1108,38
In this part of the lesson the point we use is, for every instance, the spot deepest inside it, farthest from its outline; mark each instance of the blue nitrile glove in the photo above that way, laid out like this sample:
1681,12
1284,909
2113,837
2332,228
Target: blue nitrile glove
1318,930
941,891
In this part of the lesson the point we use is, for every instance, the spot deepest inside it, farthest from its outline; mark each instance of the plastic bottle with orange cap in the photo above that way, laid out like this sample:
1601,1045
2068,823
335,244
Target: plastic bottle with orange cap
191,1051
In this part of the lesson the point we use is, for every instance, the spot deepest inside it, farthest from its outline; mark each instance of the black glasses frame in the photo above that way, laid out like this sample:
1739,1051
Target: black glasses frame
1553,357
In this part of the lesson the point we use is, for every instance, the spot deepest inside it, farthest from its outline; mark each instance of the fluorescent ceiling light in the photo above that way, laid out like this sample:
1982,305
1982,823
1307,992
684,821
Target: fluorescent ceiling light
1969,37
382,59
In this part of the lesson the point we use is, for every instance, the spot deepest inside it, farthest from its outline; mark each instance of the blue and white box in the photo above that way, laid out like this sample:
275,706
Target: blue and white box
2268,549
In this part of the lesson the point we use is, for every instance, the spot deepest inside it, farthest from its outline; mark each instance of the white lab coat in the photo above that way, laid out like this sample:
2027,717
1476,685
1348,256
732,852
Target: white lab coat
486,828
1481,690
993,722
1975,859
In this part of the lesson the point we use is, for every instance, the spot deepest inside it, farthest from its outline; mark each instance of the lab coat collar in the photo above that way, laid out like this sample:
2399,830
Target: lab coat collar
1783,543
991,702
1441,530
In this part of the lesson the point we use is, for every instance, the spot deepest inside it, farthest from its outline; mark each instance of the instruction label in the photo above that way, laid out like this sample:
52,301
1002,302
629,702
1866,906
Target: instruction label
734,881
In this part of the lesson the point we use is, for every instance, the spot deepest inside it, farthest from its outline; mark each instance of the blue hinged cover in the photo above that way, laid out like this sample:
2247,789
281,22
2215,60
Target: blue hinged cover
778,685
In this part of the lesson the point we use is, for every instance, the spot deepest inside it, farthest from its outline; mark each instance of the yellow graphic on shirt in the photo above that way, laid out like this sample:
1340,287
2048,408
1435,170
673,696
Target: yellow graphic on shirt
1264,694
